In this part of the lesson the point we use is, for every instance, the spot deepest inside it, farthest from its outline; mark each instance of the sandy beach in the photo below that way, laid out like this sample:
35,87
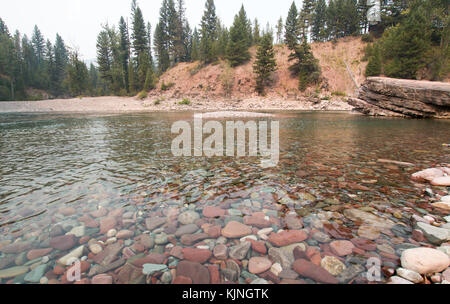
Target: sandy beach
132,104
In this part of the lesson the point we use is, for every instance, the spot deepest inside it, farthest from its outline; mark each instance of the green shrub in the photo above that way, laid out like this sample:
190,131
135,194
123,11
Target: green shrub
185,101
166,87
158,101
367,38
142,95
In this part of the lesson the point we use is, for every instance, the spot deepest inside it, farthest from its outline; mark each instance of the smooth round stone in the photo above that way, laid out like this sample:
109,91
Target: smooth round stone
150,269
78,231
333,265
161,239
398,280
258,265
111,233
236,230
74,254
342,248
410,275
43,280
188,217
166,277
13,272
425,260
368,232
111,241
95,248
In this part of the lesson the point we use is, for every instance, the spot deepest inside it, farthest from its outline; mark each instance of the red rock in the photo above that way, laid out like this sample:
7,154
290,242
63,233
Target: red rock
342,248
84,240
67,211
292,282
107,223
37,253
63,242
258,246
358,251
152,258
102,279
196,271
236,230
196,255
182,280
337,231
270,276
212,211
288,237
257,221
214,274
88,221
214,231
84,266
364,244
314,272
418,236
221,252
116,212
177,252
316,259
124,234
99,213
299,253
59,270
53,282
190,239
258,265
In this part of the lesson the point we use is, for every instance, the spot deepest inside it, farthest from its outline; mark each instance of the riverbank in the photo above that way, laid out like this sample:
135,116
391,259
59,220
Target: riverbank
132,104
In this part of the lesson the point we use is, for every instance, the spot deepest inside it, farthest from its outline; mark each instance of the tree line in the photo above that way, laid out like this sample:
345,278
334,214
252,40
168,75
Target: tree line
129,61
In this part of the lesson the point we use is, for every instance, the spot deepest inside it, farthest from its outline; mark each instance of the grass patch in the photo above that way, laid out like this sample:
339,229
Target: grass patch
185,101
339,93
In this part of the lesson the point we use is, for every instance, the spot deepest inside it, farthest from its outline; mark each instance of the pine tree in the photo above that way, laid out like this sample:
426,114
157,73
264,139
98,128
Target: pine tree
124,51
305,18
319,21
405,46
38,42
256,32
208,33
237,51
265,63
104,56
78,76
279,30
61,61
291,27
306,66
374,65
223,40
195,46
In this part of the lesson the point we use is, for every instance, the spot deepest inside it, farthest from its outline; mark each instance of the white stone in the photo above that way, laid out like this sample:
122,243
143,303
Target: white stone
445,199
410,275
253,237
76,253
398,280
276,269
77,231
111,233
95,248
111,241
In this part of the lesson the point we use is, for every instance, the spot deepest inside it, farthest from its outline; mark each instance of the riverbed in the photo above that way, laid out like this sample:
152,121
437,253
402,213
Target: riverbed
106,189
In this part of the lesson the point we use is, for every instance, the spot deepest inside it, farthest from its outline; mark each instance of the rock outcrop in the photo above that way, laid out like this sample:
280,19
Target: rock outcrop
380,96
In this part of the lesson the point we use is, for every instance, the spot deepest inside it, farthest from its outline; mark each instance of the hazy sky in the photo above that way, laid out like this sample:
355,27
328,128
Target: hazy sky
79,21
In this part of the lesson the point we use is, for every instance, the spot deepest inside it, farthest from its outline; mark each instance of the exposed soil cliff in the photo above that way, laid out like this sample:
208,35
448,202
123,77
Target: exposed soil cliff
341,63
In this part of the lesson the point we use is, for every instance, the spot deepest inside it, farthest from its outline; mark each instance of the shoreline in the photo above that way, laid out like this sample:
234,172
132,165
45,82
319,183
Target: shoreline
113,104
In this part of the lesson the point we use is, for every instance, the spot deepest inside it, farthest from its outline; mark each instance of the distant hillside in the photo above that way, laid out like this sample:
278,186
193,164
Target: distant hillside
201,82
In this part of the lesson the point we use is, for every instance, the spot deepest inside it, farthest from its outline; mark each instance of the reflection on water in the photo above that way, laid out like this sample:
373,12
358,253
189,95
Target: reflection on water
124,162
